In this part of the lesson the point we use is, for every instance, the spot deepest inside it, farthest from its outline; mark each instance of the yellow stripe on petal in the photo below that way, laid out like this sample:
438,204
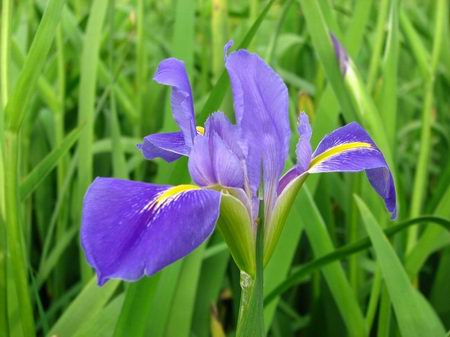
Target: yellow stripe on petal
174,191
200,130
337,150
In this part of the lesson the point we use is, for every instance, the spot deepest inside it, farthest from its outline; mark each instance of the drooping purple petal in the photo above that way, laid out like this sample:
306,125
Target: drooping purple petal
168,146
303,149
172,72
216,157
131,229
261,107
350,149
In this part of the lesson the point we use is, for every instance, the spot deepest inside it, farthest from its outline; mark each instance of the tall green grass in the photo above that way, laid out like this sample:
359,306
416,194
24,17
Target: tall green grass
76,96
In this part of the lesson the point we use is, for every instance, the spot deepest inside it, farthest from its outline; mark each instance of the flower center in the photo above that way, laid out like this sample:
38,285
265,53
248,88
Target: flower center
200,130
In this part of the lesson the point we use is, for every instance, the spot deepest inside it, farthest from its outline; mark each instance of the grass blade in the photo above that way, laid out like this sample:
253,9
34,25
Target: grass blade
341,253
333,273
43,169
412,316
88,303
34,63
86,111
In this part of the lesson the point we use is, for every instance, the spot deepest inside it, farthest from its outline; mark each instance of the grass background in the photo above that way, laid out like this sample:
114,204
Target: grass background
76,96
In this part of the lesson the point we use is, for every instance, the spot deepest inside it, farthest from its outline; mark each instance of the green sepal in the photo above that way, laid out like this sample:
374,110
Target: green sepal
236,227
279,215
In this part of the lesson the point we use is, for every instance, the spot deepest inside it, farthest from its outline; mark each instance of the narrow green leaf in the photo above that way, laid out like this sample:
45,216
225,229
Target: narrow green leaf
136,307
101,324
320,36
412,316
43,169
34,63
341,253
212,278
422,171
182,308
53,257
86,104
388,99
431,240
88,303
334,274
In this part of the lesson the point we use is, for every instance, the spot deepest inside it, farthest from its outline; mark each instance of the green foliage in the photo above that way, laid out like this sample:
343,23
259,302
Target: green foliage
76,96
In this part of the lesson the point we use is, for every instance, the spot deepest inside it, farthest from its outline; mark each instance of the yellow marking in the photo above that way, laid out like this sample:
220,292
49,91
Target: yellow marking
200,130
173,191
336,150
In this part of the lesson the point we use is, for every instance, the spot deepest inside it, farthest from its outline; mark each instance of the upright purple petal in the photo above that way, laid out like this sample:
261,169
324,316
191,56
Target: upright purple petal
168,146
261,107
172,72
303,150
216,157
350,149
131,229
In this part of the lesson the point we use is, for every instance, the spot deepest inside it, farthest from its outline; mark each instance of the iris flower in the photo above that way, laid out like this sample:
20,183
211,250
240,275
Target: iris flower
131,229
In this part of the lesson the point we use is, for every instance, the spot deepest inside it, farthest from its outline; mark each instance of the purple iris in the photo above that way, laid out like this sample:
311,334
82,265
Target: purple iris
131,229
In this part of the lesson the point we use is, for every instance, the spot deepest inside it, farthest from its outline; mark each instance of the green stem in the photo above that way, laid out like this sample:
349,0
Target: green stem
251,308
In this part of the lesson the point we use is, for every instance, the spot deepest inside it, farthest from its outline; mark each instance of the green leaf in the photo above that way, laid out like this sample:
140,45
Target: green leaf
180,315
412,316
88,303
334,274
47,265
136,307
34,63
43,169
102,323
320,36
86,103
300,273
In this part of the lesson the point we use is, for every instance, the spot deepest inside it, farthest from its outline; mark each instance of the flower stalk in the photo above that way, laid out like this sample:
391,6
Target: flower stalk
251,307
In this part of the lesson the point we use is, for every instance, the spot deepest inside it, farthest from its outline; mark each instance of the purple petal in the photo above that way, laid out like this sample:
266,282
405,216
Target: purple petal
261,107
172,72
168,146
303,150
341,54
216,157
287,178
131,229
350,149
226,48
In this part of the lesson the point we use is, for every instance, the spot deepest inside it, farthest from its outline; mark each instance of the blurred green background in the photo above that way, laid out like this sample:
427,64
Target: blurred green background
77,96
